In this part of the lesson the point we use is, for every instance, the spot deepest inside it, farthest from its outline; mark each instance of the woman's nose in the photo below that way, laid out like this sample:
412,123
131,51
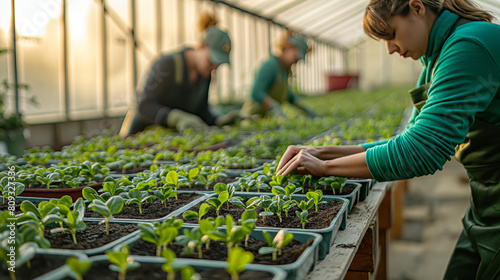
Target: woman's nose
391,47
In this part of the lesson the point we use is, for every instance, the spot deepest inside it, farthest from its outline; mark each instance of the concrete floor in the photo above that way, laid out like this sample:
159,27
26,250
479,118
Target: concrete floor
433,208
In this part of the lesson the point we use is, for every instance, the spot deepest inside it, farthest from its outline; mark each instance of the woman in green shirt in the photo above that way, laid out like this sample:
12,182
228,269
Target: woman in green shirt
457,112
270,88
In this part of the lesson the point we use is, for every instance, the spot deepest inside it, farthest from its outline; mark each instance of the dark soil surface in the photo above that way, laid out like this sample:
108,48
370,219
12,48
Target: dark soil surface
153,272
37,266
218,251
327,190
93,237
153,210
321,219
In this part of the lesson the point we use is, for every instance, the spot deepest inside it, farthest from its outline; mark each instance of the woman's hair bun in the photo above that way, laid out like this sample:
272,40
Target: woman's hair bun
206,20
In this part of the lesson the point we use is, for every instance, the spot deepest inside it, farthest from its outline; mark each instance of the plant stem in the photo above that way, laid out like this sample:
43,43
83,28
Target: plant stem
107,226
234,276
246,240
140,209
121,275
158,251
274,256
200,253
171,276
13,275
74,237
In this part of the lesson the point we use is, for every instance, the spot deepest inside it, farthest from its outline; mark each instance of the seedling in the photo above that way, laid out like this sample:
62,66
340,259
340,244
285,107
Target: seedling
114,205
316,196
47,181
110,189
248,219
336,183
160,234
174,180
265,202
24,251
138,197
164,193
187,272
78,267
250,204
208,225
281,239
121,261
192,239
90,194
287,191
278,180
237,259
12,189
233,235
188,215
303,217
39,217
74,219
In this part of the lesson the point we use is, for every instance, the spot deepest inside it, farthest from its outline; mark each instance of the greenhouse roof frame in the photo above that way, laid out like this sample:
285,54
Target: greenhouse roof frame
337,23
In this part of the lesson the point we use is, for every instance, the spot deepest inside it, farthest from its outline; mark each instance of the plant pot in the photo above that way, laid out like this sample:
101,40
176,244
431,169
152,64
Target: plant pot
159,219
96,250
12,141
296,270
366,185
353,197
45,261
155,264
75,193
328,233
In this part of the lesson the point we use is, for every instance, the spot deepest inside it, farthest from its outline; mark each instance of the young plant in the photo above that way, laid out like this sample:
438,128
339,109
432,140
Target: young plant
23,252
90,194
316,196
174,180
39,217
74,220
237,260
248,219
192,239
265,202
187,272
287,191
303,217
47,181
10,189
113,206
138,197
164,193
281,239
121,261
279,180
110,189
250,204
188,215
78,267
208,225
336,183
233,235
160,234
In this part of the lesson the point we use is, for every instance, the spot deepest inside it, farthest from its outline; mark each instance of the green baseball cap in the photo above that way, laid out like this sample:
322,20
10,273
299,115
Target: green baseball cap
219,44
300,43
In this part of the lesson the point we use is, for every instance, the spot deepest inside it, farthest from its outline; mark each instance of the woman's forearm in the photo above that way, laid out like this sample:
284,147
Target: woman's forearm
353,165
334,152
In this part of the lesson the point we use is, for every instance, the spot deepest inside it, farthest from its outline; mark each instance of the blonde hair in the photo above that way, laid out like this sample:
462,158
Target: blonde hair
282,41
379,12
206,20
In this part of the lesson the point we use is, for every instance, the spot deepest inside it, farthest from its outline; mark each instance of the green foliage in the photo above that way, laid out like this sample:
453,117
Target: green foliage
121,261
188,215
137,197
187,272
303,217
316,196
39,217
279,241
233,235
73,218
113,206
78,267
160,234
237,259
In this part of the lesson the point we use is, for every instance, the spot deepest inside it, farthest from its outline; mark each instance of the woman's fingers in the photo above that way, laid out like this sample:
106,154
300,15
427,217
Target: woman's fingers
304,163
290,152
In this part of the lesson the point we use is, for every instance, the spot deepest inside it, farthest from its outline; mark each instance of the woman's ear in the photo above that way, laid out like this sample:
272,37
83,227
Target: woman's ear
417,7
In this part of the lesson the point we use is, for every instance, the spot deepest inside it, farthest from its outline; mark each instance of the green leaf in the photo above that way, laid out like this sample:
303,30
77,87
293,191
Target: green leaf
90,194
223,196
204,207
28,206
115,204
172,178
215,202
216,235
267,237
237,202
193,173
188,273
266,250
219,188
72,218
77,266
276,190
100,207
189,215
237,260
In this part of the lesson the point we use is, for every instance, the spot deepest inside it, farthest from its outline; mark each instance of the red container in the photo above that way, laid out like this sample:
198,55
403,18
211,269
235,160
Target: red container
338,82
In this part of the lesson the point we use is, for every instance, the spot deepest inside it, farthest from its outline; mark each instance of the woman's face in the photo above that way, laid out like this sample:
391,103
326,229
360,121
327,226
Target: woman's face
411,33
290,55
203,63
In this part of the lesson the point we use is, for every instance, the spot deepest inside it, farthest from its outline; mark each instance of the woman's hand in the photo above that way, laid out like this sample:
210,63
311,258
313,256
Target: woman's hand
302,161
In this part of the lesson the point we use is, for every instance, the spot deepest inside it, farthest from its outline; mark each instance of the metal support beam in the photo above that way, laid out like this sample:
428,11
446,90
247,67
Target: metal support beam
134,44
104,64
286,8
158,27
180,21
64,41
14,54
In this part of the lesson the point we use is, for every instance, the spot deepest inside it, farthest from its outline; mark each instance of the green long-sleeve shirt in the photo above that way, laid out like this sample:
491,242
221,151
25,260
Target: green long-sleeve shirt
465,86
269,72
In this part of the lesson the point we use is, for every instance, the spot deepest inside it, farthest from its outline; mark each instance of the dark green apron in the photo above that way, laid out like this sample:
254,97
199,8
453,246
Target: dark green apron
278,92
477,252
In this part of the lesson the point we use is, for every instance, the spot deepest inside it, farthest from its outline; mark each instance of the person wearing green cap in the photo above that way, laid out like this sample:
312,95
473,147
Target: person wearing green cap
175,91
270,88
